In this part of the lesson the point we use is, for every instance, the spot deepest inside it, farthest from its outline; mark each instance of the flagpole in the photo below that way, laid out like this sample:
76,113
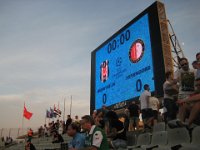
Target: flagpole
71,106
23,119
1,132
45,120
64,111
9,132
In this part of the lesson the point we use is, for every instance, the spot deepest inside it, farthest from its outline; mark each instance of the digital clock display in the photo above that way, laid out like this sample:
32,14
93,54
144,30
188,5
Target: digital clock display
124,64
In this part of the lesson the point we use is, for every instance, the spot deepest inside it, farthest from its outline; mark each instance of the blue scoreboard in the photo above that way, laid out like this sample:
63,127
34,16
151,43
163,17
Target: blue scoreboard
128,60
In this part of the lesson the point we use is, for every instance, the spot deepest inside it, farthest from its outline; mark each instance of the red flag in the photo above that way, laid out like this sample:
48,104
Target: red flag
27,114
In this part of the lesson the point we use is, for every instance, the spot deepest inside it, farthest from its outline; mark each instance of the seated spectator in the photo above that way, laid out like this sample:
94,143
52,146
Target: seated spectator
57,138
134,112
96,138
117,131
8,141
78,140
190,105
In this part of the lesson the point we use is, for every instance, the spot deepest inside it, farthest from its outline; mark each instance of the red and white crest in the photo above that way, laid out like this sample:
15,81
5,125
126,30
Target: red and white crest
104,71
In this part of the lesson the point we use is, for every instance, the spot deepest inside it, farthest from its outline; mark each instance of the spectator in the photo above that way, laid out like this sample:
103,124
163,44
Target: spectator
198,56
194,64
46,131
76,120
170,89
8,141
94,114
198,69
185,77
96,138
52,127
78,140
99,120
30,134
147,115
57,125
104,112
60,128
68,122
134,112
125,116
57,138
155,106
117,131
29,146
40,132
190,106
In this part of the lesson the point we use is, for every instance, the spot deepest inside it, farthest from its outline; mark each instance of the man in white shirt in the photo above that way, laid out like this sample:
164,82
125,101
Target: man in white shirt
147,115
155,105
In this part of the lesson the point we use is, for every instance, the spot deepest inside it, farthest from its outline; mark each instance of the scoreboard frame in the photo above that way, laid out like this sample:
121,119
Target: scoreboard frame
158,52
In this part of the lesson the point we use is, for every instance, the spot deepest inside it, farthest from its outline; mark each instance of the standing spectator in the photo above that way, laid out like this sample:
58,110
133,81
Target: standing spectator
117,131
104,112
134,112
60,128
185,77
155,105
68,122
30,134
126,118
147,115
170,89
29,146
78,140
96,138
40,132
76,120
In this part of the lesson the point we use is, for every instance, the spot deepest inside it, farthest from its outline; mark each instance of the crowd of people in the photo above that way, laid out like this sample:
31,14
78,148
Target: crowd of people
105,129
7,140
182,93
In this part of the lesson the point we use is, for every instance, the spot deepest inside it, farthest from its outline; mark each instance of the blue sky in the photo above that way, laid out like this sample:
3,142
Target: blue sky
45,48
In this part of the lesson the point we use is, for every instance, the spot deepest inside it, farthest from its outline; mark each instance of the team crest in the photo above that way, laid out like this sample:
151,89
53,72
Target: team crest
104,71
